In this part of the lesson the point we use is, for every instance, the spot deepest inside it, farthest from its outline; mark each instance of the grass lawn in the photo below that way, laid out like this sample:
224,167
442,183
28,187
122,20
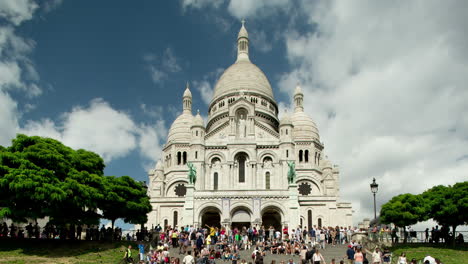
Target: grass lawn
447,255
64,252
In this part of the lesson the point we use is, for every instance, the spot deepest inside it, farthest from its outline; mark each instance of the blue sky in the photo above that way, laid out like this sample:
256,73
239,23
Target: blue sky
384,81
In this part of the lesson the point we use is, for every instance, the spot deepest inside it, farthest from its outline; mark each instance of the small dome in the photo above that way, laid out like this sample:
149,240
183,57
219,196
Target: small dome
286,120
243,31
243,76
198,121
159,166
187,92
298,90
304,127
325,163
180,129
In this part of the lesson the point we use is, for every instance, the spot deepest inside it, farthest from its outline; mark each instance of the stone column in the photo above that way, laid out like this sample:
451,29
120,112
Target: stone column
294,213
188,214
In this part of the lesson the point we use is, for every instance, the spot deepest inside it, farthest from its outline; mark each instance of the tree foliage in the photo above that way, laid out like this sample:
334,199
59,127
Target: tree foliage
42,177
448,205
125,198
403,210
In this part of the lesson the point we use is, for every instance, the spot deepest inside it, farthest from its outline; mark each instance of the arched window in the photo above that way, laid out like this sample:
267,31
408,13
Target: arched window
287,153
306,155
309,219
318,159
286,131
315,159
166,222
241,159
300,155
319,222
196,154
267,180
215,181
179,158
301,222
196,133
184,156
176,214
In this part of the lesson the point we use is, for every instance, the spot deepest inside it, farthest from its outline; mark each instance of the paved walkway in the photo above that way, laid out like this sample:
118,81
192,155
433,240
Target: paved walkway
328,253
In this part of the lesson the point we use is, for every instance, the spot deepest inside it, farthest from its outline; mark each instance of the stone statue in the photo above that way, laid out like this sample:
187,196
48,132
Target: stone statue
192,174
242,127
291,172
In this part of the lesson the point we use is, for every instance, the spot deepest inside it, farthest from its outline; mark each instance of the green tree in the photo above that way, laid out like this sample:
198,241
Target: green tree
125,198
448,205
404,210
42,177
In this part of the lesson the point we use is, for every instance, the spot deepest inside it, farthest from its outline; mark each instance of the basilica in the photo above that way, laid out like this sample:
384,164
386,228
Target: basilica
240,159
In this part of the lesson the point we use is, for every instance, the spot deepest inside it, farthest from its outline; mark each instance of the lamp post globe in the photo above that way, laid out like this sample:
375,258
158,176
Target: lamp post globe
374,188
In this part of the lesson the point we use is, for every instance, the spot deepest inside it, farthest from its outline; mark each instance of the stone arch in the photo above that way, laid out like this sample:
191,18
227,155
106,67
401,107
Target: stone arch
250,154
320,221
219,154
314,183
272,215
206,205
172,184
209,213
267,153
242,160
241,215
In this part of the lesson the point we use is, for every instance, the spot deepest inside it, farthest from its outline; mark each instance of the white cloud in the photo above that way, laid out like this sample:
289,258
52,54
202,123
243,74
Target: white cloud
98,127
107,131
201,3
204,86
157,75
169,61
17,11
242,8
255,8
160,66
260,41
386,84
205,90
151,141
8,118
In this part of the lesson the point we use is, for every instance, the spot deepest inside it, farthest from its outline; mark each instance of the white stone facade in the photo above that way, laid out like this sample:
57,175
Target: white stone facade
241,157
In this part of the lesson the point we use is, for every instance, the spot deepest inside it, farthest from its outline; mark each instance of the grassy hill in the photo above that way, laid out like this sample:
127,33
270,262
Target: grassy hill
55,251
447,255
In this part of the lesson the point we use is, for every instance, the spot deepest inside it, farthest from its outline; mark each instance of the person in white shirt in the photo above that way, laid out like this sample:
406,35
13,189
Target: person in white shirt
189,258
317,257
430,259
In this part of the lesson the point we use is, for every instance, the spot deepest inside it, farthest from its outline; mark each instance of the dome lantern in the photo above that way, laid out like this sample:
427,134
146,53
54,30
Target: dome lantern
243,44
187,99
298,99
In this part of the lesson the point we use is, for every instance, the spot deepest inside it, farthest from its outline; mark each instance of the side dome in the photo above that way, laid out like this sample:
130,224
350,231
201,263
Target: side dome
286,120
243,76
180,129
198,121
159,166
304,127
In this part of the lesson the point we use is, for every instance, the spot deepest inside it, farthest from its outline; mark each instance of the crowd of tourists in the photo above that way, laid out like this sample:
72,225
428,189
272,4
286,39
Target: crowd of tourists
71,232
211,244
384,233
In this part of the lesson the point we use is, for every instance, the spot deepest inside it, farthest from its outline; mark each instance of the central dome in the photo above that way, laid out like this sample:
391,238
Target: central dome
242,76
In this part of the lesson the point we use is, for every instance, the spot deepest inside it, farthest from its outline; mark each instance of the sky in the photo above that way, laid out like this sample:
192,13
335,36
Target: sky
385,81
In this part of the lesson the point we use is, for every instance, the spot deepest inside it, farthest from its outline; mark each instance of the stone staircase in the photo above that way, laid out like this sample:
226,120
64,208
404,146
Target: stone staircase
337,252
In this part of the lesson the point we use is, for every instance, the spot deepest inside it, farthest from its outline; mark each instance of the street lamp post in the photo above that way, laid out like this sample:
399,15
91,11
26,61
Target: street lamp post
374,188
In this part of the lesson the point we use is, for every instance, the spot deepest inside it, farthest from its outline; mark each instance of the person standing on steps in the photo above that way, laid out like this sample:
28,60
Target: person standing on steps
317,258
128,254
350,254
